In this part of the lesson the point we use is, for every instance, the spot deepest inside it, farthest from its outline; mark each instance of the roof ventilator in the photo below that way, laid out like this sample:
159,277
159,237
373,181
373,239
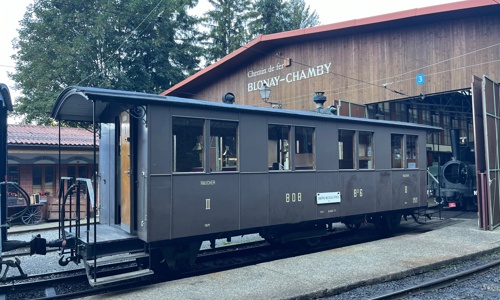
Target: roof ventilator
319,99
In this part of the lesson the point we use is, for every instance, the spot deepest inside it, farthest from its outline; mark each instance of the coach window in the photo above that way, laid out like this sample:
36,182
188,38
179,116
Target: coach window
346,149
187,144
396,151
223,146
278,146
304,147
411,152
365,150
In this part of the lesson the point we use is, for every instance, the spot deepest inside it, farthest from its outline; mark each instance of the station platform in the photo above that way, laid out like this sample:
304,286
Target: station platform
46,225
324,273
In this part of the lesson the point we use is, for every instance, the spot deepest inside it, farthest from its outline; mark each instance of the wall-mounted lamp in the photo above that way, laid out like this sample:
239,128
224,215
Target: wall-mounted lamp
265,93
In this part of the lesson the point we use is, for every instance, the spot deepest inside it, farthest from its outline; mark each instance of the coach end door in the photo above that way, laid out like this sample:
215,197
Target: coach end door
126,172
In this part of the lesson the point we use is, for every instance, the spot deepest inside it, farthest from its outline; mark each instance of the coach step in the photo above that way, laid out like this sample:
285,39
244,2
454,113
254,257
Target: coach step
120,277
116,258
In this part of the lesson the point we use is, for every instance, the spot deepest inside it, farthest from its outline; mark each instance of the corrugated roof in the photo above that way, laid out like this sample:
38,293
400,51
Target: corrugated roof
263,43
48,135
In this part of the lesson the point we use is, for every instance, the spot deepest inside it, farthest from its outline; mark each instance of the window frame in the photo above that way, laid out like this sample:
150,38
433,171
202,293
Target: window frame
280,158
225,152
405,150
310,155
355,150
43,185
208,147
10,189
199,143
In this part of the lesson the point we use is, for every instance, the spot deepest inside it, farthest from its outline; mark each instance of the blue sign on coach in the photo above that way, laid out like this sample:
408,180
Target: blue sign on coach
420,79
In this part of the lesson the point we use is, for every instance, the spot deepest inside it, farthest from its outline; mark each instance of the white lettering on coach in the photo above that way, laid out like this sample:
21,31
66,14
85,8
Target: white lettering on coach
207,182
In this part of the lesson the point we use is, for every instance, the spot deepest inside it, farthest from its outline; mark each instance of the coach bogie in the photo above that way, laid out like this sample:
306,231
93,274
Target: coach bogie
386,223
181,255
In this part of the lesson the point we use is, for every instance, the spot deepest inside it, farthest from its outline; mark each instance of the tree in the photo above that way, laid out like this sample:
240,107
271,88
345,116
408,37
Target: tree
233,23
137,45
299,15
226,24
272,16
268,17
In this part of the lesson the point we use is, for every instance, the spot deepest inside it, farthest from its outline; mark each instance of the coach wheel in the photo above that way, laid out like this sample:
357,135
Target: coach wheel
32,216
353,226
395,220
181,256
387,223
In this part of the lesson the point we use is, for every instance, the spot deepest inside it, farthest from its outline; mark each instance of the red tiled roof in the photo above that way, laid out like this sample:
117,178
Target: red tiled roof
263,43
48,135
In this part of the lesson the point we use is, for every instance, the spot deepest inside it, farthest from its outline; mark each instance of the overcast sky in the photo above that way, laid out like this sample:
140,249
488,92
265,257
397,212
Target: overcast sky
329,11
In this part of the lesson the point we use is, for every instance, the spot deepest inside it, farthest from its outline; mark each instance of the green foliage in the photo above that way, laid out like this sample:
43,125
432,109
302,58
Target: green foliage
268,17
272,16
299,15
226,23
136,45
233,23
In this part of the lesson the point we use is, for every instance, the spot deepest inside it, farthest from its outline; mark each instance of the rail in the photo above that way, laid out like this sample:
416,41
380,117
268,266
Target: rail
438,283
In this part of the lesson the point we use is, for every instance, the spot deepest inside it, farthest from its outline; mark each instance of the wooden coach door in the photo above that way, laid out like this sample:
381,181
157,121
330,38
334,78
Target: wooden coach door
126,172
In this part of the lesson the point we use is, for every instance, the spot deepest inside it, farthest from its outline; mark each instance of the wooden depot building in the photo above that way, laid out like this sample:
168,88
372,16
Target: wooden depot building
432,65
414,66
33,163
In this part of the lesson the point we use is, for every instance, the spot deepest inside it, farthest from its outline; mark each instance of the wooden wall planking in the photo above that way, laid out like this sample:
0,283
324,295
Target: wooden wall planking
449,53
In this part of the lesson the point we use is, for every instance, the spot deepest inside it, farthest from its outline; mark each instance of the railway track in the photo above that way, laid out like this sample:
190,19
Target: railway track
434,285
208,261
63,284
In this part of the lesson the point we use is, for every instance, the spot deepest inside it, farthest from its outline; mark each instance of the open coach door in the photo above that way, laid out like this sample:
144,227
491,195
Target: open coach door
486,119
126,173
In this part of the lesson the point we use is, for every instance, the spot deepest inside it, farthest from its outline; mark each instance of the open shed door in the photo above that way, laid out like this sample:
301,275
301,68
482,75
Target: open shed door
486,119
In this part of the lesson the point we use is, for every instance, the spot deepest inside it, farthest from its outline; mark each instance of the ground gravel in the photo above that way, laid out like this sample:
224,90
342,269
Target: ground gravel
485,286
38,264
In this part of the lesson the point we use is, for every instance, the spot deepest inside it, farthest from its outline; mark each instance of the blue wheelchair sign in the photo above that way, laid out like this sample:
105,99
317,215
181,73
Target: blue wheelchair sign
420,79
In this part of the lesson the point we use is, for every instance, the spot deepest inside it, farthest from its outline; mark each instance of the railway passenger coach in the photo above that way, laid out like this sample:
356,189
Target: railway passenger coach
175,172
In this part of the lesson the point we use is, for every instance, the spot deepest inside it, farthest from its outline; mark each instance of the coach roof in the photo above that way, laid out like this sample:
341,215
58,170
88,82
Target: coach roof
77,104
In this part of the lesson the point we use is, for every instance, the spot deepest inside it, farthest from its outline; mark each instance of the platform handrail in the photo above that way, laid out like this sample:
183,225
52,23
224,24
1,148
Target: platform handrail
69,191
90,196
90,189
